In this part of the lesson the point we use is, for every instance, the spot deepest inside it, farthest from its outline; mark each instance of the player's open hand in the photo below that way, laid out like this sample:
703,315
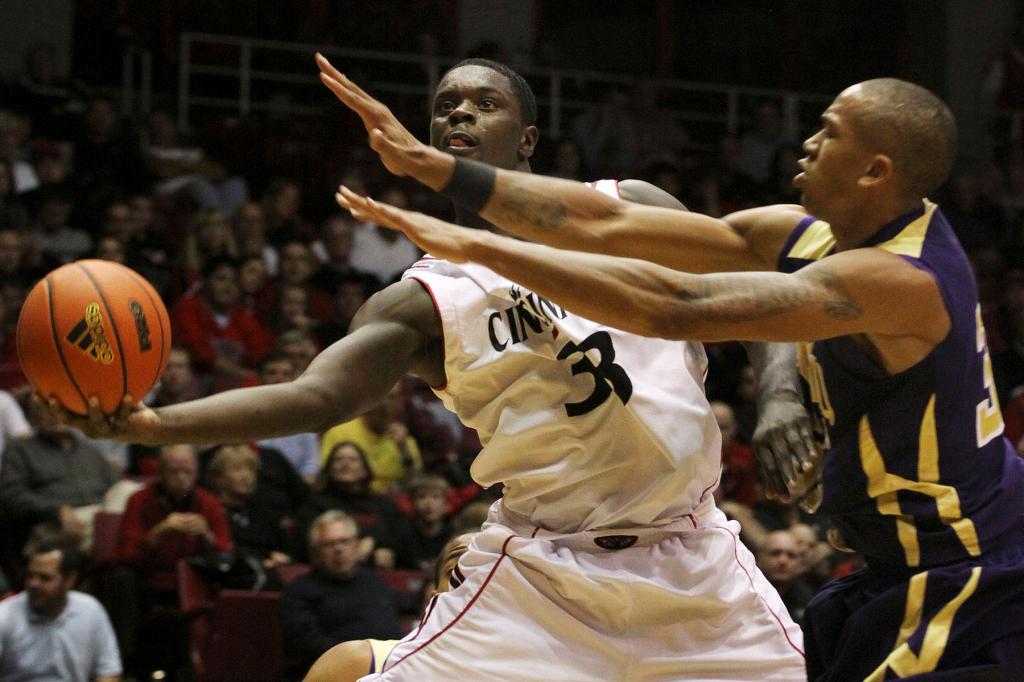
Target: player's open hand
437,237
785,448
399,150
131,423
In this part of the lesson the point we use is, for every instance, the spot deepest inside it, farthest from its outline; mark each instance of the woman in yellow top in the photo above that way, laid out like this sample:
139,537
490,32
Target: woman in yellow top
392,453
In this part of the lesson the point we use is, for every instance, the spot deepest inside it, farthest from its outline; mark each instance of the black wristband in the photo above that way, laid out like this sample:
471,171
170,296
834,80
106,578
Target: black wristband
471,185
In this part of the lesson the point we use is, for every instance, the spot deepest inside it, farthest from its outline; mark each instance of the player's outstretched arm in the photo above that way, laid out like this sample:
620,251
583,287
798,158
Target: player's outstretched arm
782,439
848,293
391,335
552,211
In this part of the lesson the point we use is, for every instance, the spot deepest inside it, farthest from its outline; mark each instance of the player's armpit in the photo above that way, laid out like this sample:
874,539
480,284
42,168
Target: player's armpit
390,336
766,229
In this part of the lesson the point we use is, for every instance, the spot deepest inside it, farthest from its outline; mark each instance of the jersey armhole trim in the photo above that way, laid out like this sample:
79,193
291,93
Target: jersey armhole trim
782,262
440,323
943,294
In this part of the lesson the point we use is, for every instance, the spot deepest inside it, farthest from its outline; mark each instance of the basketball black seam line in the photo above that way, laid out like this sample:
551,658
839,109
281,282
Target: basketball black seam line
117,334
60,350
159,321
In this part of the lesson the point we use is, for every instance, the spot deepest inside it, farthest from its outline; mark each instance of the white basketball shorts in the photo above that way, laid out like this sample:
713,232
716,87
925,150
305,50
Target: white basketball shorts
680,602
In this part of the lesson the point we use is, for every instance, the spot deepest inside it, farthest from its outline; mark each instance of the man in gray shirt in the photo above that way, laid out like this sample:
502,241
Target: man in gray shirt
51,632
54,478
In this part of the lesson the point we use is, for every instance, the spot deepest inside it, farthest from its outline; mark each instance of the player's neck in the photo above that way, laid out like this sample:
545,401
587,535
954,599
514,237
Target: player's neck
854,230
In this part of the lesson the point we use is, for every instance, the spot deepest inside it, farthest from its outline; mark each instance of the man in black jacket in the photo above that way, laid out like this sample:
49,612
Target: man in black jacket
339,600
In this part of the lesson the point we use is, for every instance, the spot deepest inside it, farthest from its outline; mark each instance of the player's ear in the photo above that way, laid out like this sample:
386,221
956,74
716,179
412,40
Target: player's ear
528,142
880,169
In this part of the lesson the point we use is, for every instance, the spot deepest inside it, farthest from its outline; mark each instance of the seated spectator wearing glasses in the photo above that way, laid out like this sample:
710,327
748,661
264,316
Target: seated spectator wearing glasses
781,561
349,661
338,600
52,632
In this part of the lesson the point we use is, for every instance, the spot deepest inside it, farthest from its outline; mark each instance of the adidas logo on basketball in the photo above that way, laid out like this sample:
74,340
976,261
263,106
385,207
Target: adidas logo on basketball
88,336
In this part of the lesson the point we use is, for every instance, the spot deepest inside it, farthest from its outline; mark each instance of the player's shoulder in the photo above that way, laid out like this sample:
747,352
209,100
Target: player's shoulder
407,301
771,231
346,661
642,192
777,216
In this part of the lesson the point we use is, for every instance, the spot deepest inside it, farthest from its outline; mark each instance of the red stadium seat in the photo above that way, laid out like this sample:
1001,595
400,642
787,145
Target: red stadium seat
195,596
403,581
242,639
104,542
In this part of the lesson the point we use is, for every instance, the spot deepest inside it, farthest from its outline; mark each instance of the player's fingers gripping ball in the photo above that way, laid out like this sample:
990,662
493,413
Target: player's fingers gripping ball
93,328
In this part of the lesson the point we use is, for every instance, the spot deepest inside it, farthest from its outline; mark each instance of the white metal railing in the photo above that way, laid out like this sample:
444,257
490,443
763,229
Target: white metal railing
136,81
243,78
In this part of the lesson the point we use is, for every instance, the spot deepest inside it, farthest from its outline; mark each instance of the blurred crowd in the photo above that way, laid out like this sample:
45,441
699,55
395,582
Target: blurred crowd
235,226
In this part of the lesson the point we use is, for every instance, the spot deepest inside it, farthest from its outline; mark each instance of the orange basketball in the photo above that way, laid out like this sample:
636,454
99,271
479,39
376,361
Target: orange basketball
93,328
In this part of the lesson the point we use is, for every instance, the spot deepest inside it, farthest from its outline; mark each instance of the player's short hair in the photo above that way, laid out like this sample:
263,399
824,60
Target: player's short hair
522,90
914,127
455,547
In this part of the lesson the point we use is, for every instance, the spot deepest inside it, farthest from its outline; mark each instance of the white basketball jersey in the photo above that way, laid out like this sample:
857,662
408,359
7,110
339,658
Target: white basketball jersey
586,427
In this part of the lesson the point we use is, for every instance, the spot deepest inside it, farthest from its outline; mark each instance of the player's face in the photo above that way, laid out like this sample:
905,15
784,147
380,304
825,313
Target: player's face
449,561
835,160
476,115
46,586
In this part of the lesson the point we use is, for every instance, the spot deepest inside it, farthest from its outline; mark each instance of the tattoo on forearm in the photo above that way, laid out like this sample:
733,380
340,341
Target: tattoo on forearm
524,206
841,305
743,301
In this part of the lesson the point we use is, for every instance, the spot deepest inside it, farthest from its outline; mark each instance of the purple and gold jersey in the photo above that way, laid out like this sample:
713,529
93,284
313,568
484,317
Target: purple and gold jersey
917,472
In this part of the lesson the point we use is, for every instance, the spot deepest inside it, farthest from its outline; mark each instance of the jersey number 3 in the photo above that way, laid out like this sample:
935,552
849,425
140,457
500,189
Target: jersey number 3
989,421
607,375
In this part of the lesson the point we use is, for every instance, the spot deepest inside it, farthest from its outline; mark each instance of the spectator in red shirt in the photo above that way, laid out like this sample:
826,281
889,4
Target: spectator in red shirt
739,468
171,519
225,340
168,520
